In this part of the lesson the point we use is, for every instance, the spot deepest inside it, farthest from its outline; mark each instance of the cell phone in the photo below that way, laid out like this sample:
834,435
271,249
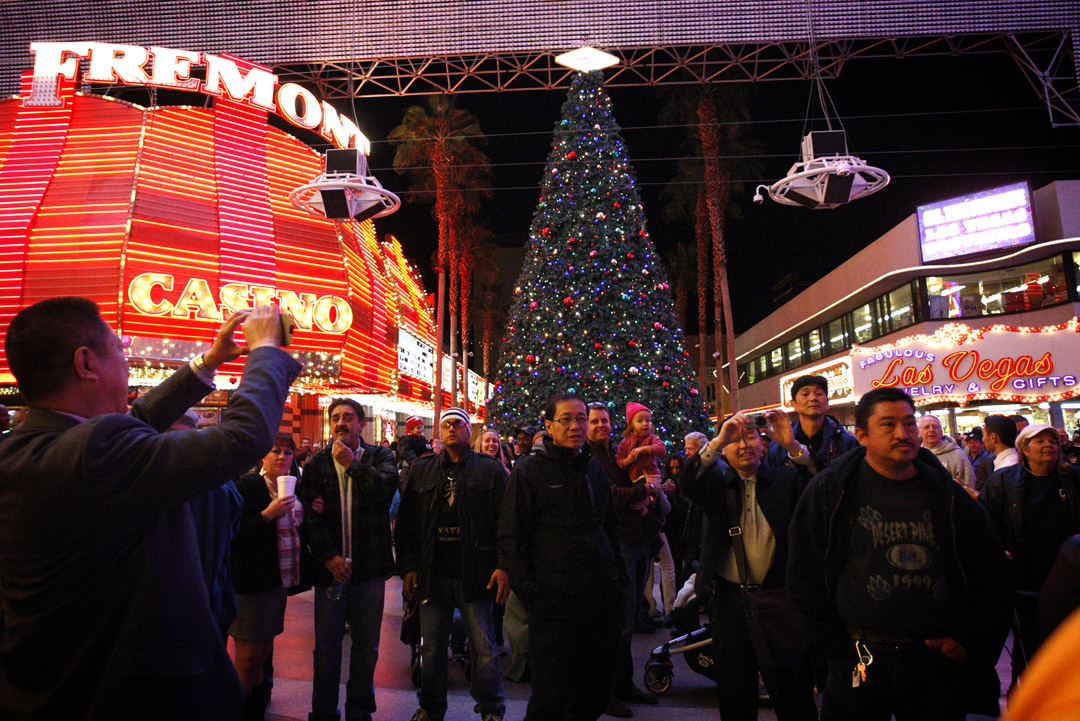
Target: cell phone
287,325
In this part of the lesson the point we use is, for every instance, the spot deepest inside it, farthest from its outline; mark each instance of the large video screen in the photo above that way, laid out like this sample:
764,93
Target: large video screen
978,223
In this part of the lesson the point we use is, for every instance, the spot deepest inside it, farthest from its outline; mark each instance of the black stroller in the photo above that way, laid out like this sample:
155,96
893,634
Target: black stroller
695,646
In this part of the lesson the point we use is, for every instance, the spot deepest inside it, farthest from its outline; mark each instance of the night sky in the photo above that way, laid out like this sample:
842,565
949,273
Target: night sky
941,126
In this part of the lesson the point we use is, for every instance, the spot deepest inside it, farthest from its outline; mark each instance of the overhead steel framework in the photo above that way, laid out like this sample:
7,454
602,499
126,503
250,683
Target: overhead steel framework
371,48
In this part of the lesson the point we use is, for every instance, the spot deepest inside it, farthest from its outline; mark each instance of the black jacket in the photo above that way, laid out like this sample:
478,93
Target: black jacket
973,558
375,479
557,528
479,494
253,558
778,490
1005,501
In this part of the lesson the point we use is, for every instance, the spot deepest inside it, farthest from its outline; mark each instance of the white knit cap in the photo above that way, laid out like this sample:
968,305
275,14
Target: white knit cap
456,413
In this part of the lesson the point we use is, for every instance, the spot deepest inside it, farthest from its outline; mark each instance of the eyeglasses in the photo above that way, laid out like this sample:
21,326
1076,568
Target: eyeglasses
455,423
565,421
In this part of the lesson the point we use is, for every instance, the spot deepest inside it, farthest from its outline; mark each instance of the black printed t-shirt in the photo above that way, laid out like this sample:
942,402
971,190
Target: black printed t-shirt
448,529
893,580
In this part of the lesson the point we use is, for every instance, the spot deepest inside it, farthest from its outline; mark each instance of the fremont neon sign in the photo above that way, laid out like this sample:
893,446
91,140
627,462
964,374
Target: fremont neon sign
150,294
169,68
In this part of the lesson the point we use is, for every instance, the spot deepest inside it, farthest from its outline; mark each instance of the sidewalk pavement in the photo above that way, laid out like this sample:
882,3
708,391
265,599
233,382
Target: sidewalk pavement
691,698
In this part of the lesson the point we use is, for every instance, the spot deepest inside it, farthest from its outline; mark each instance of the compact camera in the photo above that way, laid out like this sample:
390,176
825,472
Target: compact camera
757,420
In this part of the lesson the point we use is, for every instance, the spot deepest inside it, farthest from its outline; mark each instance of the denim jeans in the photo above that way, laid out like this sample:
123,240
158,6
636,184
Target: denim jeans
636,558
362,605
436,616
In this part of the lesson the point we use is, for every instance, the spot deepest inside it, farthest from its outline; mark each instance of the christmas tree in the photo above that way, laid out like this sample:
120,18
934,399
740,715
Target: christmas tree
592,312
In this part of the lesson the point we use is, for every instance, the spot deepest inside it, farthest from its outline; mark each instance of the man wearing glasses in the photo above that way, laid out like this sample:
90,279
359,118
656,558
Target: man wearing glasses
557,533
446,544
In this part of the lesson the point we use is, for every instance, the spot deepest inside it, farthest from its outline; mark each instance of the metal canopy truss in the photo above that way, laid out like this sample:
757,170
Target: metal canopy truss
370,48
490,72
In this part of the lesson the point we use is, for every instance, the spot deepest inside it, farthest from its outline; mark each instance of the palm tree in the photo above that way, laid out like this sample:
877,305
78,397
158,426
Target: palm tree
476,250
720,113
683,199
437,149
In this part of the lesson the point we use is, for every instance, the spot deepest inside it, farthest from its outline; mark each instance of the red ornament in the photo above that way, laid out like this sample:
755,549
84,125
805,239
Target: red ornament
616,204
592,253
546,232
567,300
533,305
630,256
632,343
658,326
665,384
530,358
571,155
598,346
571,240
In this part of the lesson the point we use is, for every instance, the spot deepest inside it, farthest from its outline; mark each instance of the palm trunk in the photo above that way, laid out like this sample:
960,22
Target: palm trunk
716,199
701,237
466,292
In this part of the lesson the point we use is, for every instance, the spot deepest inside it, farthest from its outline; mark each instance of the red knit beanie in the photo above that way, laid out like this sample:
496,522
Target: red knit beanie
632,409
412,423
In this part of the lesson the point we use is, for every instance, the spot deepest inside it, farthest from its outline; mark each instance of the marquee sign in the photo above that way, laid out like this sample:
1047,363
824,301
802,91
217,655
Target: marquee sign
836,372
168,68
959,364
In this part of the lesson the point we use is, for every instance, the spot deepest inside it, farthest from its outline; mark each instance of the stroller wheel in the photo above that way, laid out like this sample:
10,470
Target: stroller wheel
658,677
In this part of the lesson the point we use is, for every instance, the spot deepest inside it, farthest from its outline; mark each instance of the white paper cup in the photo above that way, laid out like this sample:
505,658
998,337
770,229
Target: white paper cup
286,486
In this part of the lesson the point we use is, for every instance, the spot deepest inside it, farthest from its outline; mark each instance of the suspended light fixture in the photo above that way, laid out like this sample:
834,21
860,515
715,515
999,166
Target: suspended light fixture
346,189
828,173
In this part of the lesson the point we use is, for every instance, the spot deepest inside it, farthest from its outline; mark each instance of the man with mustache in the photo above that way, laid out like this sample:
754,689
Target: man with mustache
901,583
819,433
351,538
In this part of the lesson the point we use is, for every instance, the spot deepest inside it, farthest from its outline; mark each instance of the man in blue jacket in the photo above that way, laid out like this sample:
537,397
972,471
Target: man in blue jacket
821,434
106,614
901,583
447,533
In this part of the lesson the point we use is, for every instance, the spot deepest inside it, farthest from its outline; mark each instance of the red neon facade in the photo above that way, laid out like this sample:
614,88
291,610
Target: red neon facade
168,217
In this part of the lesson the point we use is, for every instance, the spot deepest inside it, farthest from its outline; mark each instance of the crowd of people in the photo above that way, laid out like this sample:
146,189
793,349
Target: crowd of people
881,569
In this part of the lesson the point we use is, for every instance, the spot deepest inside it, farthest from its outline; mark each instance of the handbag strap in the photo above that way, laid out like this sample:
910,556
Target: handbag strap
758,637
736,535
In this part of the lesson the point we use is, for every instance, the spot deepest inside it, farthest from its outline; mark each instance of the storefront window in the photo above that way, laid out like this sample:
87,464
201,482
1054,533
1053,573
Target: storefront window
1005,290
760,368
863,321
838,338
816,347
776,360
901,308
795,353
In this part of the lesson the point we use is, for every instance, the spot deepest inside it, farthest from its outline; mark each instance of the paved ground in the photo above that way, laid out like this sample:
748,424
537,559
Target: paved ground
692,697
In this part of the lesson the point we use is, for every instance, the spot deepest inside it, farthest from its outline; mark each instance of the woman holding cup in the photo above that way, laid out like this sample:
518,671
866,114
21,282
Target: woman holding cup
265,562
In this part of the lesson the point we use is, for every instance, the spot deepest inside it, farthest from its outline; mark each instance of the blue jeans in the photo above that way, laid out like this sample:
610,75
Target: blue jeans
436,616
362,605
636,558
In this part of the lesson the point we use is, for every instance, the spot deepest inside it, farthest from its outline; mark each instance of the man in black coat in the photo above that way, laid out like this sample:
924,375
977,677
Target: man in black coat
901,583
106,613
447,535
752,501
351,539
557,532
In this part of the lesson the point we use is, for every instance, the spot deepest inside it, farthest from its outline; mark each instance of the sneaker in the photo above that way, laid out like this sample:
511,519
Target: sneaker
420,715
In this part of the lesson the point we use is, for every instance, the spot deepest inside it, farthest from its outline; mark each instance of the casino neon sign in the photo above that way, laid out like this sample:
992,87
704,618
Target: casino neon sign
153,294
170,68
